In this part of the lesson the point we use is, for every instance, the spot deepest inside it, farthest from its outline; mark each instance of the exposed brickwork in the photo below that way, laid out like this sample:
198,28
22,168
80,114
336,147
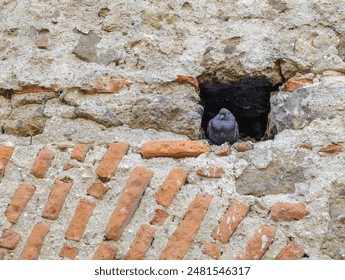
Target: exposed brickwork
128,202
188,80
141,243
97,189
212,249
42,163
223,150
332,148
159,217
111,160
19,200
171,185
295,83
9,239
184,235
81,217
57,198
305,146
68,166
174,149
35,241
210,172
5,155
79,152
258,244
110,85
230,221
69,252
288,211
36,89
290,252
105,251
2,255
243,146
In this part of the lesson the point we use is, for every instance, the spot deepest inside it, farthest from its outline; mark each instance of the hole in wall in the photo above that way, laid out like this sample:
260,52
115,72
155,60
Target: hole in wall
248,98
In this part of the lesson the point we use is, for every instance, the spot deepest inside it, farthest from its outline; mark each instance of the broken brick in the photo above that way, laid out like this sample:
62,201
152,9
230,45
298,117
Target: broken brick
97,189
42,163
290,252
105,251
68,252
79,152
212,249
210,172
159,217
9,239
288,211
5,155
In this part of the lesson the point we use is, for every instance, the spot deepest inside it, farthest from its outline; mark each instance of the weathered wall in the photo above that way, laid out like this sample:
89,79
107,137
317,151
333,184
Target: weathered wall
128,71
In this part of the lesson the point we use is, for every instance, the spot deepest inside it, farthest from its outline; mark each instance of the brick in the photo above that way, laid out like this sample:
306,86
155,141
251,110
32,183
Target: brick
288,211
128,202
305,146
19,201
111,160
243,146
68,252
79,152
80,219
210,172
230,221
57,198
36,89
35,241
9,239
174,149
141,243
159,217
184,235
171,185
105,251
110,85
68,166
258,244
290,252
2,255
332,148
223,150
5,155
212,249
97,189
42,163
182,79
295,83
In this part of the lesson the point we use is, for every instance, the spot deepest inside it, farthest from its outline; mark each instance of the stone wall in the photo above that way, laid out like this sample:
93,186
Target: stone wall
102,153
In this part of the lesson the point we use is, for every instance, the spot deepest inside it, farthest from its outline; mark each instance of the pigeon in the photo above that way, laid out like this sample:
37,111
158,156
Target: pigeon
223,128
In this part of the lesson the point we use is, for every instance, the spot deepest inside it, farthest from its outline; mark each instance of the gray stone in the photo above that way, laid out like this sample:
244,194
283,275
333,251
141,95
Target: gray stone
86,48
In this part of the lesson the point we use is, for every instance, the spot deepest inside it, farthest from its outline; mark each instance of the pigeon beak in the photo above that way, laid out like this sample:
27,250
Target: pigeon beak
221,117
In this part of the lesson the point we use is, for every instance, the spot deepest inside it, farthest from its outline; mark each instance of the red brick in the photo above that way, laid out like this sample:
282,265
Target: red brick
258,244
295,83
81,217
210,172
9,239
288,211
243,146
5,155
171,185
68,252
68,166
105,251
36,89
19,200
42,163
174,149
185,233
212,249
223,150
128,202
188,80
57,198
110,85
35,241
141,243
332,148
159,217
97,189
2,255
79,152
304,146
230,221
111,160
290,252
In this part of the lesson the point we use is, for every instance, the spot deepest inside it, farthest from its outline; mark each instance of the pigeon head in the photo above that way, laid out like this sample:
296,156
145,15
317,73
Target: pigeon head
225,114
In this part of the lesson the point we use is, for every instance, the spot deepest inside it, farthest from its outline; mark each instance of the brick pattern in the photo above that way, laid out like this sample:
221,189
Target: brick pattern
128,202
5,155
172,184
184,235
20,198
